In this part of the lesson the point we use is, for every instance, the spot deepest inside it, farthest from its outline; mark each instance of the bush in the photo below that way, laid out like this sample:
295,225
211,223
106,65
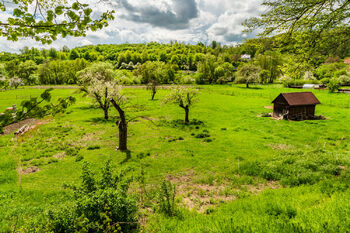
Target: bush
100,204
124,77
344,80
330,70
333,85
187,80
166,199
200,78
325,81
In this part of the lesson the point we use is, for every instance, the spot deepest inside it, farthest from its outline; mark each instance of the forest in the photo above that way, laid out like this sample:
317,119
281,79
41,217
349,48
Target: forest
271,61
178,63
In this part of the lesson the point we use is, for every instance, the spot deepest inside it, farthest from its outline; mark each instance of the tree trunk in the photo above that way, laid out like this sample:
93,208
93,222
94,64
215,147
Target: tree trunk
106,113
153,94
247,85
122,126
123,135
187,110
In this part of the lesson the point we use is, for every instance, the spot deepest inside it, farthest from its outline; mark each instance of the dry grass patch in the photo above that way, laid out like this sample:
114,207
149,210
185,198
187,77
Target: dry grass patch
202,197
281,146
30,170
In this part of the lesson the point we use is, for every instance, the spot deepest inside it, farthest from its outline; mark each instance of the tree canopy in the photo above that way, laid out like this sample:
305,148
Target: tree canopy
301,15
45,20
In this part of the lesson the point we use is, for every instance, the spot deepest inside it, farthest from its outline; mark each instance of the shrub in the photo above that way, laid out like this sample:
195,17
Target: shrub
99,205
94,147
325,81
79,158
187,80
330,70
333,85
344,80
166,199
202,135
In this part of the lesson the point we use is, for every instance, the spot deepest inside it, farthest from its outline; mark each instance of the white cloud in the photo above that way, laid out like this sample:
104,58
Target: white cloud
139,21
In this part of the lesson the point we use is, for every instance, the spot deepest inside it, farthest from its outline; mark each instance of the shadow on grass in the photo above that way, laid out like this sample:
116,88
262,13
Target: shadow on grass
250,88
102,120
127,156
89,107
180,124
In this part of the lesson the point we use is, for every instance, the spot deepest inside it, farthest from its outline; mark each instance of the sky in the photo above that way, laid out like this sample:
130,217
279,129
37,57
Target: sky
142,21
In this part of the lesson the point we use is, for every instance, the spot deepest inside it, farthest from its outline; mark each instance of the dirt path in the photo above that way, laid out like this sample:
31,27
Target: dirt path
16,126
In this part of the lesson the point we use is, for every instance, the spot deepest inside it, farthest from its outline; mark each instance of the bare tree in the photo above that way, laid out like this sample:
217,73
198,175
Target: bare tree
184,97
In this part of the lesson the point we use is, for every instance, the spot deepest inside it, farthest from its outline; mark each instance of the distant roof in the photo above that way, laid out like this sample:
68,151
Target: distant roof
299,98
310,86
246,56
347,60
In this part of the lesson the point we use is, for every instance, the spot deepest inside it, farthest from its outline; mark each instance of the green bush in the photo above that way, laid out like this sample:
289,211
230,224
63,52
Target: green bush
187,80
344,80
330,70
166,199
325,81
99,204
333,85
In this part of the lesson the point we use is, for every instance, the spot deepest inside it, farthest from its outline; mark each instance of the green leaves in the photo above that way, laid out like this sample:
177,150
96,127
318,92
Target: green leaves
98,204
34,108
46,95
50,19
75,6
314,17
59,10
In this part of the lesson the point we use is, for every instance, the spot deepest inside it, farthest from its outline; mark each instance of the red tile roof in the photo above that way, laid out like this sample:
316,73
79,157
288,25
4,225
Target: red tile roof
299,98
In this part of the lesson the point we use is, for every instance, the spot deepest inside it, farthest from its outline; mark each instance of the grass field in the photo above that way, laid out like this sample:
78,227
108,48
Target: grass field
235,172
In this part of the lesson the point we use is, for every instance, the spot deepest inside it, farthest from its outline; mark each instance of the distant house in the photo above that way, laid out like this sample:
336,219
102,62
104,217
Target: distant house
246,57
295,106
347,61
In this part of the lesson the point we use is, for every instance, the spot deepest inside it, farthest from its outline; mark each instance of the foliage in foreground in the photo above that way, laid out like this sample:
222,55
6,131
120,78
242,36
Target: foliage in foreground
33,109
302,209
100,204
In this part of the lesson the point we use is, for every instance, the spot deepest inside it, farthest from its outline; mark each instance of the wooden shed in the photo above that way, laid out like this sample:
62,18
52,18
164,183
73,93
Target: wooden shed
295,106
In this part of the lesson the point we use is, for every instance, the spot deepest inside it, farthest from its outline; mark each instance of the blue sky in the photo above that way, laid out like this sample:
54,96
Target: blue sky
139,21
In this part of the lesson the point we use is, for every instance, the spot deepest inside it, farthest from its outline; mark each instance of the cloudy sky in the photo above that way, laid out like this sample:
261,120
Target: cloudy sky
139,21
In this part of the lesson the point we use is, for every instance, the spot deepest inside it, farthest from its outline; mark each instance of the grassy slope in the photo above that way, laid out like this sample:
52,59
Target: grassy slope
238,136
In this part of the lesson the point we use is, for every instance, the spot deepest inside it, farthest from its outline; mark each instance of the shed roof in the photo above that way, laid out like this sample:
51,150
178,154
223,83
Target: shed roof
299,98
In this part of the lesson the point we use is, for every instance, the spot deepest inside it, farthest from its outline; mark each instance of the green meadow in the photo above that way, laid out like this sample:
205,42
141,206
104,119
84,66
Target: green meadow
234,171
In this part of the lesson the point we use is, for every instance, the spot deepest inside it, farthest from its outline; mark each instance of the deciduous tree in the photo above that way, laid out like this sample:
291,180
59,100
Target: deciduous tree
184,97
309,19
248,73
98,81
15,82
